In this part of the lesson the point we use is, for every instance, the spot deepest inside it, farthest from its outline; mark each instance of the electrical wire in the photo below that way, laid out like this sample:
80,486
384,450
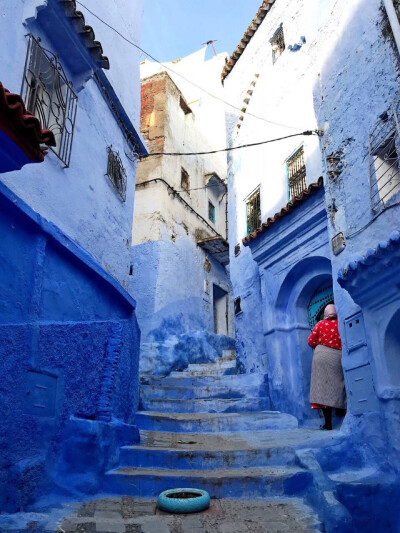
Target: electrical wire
308,132
181,75
371,221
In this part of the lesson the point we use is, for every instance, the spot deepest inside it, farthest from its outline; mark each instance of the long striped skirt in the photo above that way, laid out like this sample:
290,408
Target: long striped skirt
327,381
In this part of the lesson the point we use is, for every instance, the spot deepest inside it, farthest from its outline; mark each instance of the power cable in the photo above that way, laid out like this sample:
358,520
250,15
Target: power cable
308,132
181,75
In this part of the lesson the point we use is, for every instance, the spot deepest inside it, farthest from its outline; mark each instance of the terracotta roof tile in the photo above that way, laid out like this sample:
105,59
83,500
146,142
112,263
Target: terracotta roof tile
86,33
248,34
289,207
23,127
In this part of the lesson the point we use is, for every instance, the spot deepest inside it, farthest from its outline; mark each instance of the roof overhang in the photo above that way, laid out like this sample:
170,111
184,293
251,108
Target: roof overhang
21,134
216,184
216,247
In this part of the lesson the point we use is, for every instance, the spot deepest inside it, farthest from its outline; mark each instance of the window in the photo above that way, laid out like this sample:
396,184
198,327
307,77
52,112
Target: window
185,182
48,94
211,212
116,172
253,211
237,249
237,306
277,43
384,161
183,105
297,173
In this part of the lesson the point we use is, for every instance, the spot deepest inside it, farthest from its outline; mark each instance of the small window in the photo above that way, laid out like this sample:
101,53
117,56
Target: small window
211,212
277,43
384,160
237,307
237,250
253,211
296,173
116,172
185,182
183,105
48,94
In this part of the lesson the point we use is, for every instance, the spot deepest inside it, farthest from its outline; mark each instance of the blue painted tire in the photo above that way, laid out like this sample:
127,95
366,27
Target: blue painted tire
183,505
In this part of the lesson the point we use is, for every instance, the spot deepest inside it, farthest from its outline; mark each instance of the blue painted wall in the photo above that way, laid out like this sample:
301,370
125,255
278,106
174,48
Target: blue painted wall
69,359
174,312
294,260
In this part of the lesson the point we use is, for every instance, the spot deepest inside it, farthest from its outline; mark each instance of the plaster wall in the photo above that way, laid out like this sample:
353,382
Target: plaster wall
281,94
175,306
81,202
357,87
69,361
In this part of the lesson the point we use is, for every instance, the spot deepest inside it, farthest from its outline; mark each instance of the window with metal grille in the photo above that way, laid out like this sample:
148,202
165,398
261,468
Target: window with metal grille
253,211
185,182
49,95
384,165
116,172
277,43
211,212
296,173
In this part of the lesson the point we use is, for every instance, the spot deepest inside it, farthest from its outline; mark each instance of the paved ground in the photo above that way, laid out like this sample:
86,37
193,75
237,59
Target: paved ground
129,515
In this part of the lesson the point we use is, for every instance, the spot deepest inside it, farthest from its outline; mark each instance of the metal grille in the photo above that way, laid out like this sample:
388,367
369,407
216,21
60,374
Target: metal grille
384,172
320,299
253,211
48,94
278,44
297,173
116,172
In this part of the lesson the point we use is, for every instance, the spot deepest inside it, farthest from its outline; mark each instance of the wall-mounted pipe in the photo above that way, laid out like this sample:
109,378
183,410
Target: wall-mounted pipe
394,21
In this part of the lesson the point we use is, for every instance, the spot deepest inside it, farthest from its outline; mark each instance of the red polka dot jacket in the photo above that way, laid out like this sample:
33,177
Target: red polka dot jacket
326,332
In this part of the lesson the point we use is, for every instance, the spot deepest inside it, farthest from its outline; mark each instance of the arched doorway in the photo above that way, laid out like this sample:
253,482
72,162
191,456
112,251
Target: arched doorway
302,297
392,351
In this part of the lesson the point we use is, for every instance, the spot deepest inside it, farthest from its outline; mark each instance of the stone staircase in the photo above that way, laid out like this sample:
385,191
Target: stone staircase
210,428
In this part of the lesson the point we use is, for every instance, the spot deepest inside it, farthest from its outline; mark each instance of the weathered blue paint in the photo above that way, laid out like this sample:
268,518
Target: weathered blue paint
69,357
294,261
174,311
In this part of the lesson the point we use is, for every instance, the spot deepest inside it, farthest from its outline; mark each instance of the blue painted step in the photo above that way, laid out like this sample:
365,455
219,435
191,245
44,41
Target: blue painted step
182,379
215,390
206,405
220,483
214,422
143,456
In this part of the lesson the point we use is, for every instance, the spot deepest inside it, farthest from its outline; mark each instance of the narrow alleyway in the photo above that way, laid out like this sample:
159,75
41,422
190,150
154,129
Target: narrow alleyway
224,440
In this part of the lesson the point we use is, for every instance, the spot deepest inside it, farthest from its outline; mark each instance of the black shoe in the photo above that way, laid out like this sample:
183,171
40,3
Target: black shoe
326,427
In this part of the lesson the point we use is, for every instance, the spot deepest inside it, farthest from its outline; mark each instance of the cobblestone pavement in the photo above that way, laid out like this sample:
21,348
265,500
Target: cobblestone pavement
133,515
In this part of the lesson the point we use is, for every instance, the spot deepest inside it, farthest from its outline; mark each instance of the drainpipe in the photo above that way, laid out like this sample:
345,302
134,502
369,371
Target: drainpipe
394,21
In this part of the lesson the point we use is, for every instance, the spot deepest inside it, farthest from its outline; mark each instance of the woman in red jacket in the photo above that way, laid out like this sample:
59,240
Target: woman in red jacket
327,382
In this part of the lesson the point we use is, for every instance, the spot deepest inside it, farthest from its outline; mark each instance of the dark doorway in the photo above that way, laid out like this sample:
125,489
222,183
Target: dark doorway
220,310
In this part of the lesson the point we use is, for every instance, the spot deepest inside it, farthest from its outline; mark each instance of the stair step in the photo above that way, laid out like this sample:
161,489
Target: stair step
148,392
180,379
206,405
213,422
220,483
143,456
208,371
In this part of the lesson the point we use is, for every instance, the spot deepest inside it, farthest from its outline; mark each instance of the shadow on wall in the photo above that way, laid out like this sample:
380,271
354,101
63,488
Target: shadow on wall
69,352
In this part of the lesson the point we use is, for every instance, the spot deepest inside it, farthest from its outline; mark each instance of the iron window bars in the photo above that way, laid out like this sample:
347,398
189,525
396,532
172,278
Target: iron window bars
297,173
277,43
384,144
49,95
116,172
253,211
